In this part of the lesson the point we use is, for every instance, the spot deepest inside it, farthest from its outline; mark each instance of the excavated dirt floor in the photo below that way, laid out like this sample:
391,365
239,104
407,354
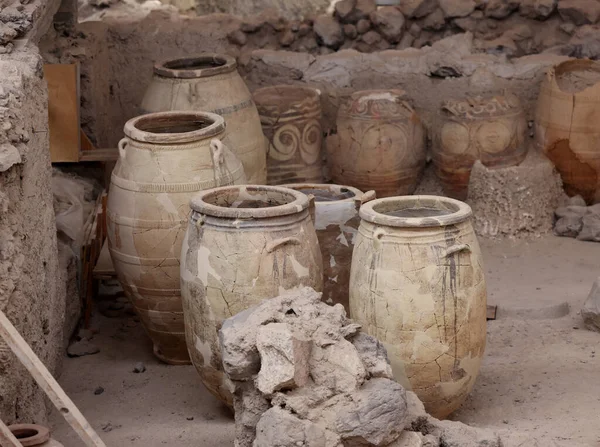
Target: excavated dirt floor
539,376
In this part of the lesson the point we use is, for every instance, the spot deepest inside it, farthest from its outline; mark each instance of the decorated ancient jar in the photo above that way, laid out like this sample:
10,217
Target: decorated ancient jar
380,144
291,119
33,435
489,129
243,244
164,160
417,284
566,125
210,82
336,221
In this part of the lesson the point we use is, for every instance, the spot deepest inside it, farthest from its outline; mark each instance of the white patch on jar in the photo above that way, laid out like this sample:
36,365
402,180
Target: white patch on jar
342,239
300,270
204,267
334,279
378,96
164,199
332,262
204,349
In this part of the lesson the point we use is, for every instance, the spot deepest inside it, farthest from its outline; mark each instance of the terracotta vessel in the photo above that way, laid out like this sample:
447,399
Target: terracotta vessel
489,129
566,125
33,435
243,244
336,221
380,144
210,82
417,283
291,120
164,159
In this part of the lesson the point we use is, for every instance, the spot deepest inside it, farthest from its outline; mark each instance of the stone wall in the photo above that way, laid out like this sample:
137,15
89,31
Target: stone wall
32,286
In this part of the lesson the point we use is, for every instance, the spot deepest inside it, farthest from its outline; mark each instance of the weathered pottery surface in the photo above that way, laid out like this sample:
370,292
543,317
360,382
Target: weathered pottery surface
380,144
211,83
566,125
336,221
33,435
164,159
489,129
417,283
291,120
243,244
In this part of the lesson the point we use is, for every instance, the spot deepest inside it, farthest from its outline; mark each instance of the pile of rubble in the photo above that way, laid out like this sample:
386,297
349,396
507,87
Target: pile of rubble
577,220
304,374
510,27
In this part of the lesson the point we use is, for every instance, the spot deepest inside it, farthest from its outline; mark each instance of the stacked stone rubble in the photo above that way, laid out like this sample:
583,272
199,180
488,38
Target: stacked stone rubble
577,220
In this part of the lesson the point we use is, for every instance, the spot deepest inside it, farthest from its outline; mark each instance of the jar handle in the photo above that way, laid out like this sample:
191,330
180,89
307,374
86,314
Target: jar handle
312,208
121,145
456,248
366,197
272,245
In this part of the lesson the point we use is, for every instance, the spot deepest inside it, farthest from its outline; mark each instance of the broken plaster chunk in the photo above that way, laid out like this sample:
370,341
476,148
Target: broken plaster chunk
590,225
9,156
278,427
373,355
377,415
284,357
591,308
337,366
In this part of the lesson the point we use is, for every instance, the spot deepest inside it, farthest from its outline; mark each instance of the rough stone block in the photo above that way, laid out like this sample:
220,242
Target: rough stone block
580,12
590,228
418,8
329,31
284,358
389,21
457,8
537,9
591,308
499,9
373,355
337,366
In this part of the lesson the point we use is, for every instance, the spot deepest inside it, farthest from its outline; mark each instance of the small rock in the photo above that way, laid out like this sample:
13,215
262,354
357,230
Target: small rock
537,9
287,38
329,31
237,37
580,12
519,33
501,45
284,358
251,24
98,391
418,8
364,8
568,226
351,11
373,355
344,9
466,23
568,27
304,29
277,427
457,8
434,21
591,308
9,155
371,37
499,9
576,200
190,418
590,229
85,334
139,368
350,31
406,42
362,26
414,30
108,427
389,21
81,348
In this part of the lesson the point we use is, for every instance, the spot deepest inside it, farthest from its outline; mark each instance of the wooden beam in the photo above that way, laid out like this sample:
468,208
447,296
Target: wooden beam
99,155
7,438
491,312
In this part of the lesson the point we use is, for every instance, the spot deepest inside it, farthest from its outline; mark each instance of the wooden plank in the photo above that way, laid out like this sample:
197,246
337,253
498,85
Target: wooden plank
7,438
86,144
491,312
42,376
63,112
100,155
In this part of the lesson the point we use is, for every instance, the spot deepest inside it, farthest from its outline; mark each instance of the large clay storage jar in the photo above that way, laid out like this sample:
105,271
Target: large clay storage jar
336,221
489,129
417,283
210,82
291,120
380,144
33,435
566,125
164,159
243,244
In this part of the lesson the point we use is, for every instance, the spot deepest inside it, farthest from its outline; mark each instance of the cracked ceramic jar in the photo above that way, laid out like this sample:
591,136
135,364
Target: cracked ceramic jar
489,129
243,244
164,160
417,284
211,83
566,125
379,145
291,119
336,221
33,435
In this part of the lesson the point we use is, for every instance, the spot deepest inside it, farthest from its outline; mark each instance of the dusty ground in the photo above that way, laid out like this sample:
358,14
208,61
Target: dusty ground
539,375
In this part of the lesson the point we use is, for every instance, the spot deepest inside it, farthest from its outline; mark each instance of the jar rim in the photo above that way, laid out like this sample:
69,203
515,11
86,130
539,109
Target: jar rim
291,92
454,211
202,125
30,435
205,202
200,66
